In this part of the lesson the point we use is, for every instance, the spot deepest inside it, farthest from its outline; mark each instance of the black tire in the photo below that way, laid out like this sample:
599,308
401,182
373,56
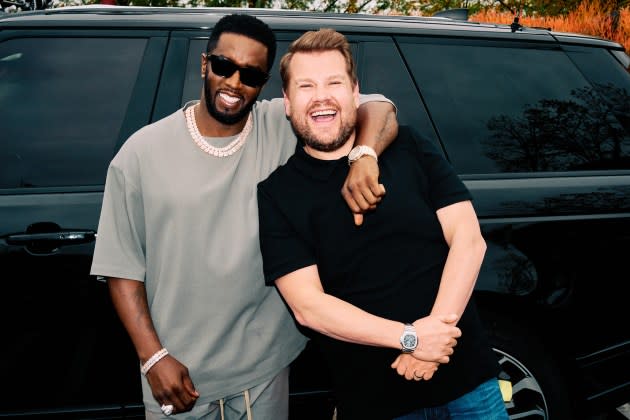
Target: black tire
539,390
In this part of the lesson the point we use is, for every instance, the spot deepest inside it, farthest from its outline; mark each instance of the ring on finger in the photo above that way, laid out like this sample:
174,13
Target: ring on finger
421,376
167,409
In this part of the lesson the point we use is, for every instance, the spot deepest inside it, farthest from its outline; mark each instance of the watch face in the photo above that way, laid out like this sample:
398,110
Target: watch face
409,341
353,154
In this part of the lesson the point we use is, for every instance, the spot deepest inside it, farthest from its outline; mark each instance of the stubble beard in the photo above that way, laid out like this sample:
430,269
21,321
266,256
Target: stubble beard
304,133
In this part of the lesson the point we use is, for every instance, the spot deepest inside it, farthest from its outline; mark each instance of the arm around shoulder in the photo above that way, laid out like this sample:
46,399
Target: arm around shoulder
377,128
377,125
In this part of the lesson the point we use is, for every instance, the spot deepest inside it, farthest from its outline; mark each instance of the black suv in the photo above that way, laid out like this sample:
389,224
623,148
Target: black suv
536,123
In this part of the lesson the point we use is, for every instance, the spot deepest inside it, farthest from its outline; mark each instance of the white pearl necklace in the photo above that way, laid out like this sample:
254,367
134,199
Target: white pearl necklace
228,150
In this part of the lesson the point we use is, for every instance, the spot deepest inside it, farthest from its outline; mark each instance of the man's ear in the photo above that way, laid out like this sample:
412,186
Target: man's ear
204,63
355,93
287,103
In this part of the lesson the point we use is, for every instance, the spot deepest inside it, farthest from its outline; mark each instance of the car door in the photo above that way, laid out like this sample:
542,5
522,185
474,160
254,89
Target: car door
68,100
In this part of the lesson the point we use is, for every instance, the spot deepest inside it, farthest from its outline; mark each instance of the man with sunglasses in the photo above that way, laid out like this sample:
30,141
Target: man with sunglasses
178,236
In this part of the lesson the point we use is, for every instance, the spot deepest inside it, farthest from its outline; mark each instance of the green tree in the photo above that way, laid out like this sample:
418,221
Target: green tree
400,6
339,6
432,6
155,3
538,7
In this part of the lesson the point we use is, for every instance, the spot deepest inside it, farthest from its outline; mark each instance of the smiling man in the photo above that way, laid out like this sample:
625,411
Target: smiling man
178,237
396,285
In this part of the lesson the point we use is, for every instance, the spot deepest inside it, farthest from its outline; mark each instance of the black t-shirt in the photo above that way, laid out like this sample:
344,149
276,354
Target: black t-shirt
390,266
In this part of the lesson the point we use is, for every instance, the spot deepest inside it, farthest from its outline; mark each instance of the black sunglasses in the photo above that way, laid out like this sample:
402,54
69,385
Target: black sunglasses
224,67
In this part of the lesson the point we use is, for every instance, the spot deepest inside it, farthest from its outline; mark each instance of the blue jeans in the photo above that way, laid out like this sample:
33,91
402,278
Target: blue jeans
483,403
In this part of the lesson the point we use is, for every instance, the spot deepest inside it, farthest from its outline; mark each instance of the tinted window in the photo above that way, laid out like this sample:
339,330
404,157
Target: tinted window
63,101
382,70
193,82
611,80
506,107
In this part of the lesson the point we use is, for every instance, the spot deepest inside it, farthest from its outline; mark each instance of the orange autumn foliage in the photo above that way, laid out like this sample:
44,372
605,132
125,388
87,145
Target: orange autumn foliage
590,18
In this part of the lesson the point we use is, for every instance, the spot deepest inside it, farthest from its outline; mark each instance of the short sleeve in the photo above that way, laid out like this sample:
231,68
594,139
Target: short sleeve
119,249
282,248
444,185
375,97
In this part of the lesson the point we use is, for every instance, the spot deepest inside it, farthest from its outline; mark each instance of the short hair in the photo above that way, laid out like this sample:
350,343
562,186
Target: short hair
325,39
246,25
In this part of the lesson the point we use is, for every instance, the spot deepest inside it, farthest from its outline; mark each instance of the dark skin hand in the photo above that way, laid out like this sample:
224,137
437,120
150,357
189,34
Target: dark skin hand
171,384
361,190
376,127
169,379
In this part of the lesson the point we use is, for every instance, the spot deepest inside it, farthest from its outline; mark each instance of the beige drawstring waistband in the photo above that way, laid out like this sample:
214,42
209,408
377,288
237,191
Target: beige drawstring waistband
248,406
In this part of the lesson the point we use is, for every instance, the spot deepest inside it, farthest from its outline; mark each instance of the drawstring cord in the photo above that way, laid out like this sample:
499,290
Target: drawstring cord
248,406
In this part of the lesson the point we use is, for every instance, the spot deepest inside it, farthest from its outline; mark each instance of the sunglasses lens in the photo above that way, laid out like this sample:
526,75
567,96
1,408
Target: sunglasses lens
221,66
253,77
224,67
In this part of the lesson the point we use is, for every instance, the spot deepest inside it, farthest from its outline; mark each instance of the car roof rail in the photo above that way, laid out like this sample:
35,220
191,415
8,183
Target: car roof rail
455,14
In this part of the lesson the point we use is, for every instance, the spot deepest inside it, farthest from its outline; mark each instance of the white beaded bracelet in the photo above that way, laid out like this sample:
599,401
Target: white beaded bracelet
159,355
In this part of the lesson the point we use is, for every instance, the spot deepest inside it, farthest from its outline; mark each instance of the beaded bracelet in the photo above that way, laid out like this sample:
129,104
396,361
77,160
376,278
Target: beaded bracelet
157,356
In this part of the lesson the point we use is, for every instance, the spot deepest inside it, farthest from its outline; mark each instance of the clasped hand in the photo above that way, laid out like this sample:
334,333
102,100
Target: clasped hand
437,337
361,189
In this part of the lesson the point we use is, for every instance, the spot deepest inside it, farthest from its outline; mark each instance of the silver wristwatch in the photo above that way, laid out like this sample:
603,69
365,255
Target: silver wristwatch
409,339
359,151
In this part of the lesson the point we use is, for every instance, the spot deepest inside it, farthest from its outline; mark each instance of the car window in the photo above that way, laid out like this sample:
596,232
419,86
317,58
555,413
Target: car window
519,107
193,80
63,101
611,80
381,69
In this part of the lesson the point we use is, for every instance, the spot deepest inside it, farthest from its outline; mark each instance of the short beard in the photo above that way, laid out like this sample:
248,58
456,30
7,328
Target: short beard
222,117
314,143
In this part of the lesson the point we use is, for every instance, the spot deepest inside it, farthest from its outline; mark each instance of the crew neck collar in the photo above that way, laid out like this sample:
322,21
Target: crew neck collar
316,168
